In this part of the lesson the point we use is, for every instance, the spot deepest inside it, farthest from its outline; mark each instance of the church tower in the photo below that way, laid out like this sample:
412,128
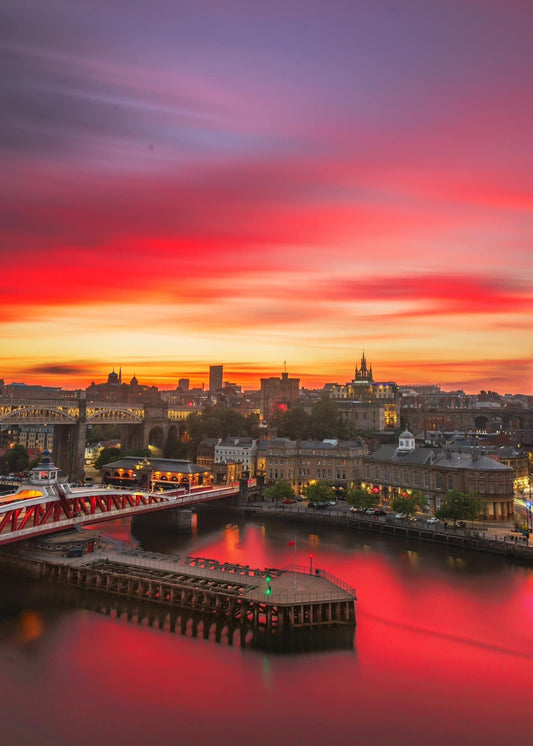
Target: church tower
363,373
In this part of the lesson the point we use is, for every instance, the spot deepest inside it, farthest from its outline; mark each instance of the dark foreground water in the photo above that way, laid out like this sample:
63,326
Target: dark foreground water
442,654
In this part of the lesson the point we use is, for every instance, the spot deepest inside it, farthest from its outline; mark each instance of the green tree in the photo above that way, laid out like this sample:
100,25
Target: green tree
459,506
296,424
232,423
325,418
358,497
15,459
106,456
409,502
282,490
252,425
174,448
318,492
97,433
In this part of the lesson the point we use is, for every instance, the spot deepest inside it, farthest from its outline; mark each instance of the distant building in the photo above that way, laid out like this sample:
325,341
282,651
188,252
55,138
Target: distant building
216,373
40,437
365,390
26,392
127,393
278,394
183,384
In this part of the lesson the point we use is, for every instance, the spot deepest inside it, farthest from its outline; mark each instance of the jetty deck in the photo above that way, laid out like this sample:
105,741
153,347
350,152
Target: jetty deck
270,598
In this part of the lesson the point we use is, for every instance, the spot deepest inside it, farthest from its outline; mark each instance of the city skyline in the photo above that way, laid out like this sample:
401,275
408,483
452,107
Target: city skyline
186,184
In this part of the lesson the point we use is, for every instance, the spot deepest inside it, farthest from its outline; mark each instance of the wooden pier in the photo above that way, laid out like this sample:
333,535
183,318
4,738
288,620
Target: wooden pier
270,599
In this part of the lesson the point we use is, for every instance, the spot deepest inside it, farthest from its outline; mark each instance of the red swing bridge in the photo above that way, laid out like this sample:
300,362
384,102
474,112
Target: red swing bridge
43,505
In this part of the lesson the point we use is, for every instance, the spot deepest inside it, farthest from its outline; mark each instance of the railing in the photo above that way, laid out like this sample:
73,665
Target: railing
151,560
306,570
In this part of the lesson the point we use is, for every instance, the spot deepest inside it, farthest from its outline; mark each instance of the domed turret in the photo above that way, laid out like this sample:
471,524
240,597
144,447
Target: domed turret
44,473
406,441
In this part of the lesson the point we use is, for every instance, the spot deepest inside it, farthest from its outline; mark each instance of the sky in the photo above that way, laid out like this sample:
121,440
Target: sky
261,184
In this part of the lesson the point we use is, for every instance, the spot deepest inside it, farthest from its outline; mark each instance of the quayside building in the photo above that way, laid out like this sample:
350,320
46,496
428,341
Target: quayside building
434,471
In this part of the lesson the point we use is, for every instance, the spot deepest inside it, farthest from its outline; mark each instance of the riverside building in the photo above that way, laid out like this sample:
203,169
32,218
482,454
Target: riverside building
301,462
436,471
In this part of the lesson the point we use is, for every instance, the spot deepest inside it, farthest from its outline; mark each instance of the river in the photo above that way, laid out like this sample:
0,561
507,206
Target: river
442,653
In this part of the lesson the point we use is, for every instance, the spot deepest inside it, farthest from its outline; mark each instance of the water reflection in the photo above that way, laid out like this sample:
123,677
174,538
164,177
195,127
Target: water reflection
442,652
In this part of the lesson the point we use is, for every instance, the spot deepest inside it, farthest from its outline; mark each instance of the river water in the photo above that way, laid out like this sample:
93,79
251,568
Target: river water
442,653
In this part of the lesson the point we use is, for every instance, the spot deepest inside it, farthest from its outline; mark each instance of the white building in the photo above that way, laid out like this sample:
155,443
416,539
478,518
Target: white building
238,450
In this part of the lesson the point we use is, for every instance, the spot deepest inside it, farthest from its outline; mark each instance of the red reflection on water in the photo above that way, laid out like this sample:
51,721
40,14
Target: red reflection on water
443,654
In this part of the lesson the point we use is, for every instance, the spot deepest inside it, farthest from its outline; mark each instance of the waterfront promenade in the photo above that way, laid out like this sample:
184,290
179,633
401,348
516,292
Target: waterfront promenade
497,538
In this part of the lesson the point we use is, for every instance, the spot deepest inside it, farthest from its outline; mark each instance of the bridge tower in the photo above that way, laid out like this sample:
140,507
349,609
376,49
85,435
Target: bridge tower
69,445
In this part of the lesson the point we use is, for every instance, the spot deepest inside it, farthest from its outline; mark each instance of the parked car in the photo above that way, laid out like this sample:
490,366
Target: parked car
460,524
379,511
370,511
288,501
356,510
400,516
433,520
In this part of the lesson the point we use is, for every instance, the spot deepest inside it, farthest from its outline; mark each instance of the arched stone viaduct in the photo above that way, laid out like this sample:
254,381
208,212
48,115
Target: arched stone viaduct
490,420
140,426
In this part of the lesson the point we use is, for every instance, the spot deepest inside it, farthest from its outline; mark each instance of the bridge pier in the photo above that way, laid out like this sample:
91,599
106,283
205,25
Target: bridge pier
69,449
132,437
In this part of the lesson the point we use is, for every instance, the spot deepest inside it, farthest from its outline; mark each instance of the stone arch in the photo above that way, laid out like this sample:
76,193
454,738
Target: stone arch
156,437
481,422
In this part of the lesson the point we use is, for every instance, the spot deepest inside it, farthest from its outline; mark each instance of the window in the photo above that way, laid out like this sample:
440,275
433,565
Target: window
415,478
438,481
450,482
426,479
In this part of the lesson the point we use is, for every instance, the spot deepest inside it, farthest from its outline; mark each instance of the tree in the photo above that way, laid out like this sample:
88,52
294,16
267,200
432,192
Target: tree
97,433
358,497
319,492
325,418
296,424
459,506
282,490
409,502
252,425
16,459
174,448
106,456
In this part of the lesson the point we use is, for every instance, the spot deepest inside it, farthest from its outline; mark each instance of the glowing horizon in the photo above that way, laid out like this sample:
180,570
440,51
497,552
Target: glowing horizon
186,186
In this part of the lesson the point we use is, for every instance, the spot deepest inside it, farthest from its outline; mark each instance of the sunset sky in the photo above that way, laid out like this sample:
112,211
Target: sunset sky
246,183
